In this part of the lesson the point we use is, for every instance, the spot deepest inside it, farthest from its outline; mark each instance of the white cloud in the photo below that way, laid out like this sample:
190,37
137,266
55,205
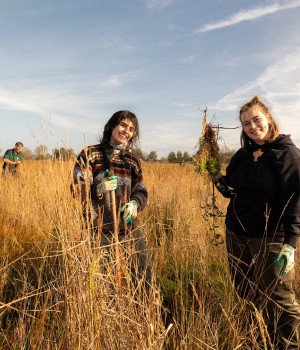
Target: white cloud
113,80
180,104
172,136
279,86
117,79
62,97
160,4
187,59
249,15
173,27
189,114
278,80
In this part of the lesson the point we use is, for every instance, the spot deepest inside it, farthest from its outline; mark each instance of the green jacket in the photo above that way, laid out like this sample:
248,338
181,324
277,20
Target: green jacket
10,155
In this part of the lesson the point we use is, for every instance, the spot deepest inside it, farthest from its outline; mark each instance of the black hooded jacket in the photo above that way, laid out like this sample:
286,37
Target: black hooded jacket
266,193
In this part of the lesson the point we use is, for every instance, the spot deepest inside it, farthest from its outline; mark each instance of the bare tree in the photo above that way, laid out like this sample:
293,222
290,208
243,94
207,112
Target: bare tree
41,151
27,153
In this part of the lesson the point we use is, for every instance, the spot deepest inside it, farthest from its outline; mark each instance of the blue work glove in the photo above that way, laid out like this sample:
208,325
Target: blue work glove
287,254
107,184
129,211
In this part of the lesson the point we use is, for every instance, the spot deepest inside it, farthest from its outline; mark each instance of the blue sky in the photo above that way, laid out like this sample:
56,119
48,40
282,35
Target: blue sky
70,64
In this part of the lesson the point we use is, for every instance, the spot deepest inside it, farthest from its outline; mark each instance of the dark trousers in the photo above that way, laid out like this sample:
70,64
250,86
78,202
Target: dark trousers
257,279
133,251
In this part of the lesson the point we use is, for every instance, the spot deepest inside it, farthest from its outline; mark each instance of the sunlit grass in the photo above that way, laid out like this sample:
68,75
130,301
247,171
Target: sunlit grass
57,292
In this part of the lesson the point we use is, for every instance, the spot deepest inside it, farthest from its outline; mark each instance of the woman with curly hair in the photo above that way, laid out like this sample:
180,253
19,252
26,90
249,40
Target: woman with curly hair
112,166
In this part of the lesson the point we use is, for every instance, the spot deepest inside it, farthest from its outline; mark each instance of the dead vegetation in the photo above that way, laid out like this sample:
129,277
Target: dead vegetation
59,292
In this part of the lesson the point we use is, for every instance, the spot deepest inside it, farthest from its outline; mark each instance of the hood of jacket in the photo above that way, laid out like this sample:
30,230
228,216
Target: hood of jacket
281,140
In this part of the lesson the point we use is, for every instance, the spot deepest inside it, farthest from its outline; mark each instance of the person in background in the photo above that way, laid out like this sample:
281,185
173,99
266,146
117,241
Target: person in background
263,220
12,159
95,164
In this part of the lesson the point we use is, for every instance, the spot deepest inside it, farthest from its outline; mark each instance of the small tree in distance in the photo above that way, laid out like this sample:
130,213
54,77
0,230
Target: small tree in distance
179,157
152,157
172,157
186,157
41,151
138,151
27,153
63,153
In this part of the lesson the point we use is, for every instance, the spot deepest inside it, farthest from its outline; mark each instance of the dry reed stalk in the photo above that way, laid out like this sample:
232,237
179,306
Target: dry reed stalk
42,221
116,236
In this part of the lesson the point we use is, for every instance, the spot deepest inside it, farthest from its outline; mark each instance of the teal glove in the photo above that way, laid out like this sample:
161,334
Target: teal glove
287,254
107,184
129,211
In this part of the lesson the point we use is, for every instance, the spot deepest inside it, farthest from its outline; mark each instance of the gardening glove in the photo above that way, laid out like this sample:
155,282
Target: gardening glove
222,187
287,254
107,184
129,211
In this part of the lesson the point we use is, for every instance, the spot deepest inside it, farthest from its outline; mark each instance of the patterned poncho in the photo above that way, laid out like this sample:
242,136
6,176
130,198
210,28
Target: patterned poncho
89,172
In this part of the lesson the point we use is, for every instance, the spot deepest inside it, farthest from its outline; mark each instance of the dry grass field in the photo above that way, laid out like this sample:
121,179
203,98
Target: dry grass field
57,291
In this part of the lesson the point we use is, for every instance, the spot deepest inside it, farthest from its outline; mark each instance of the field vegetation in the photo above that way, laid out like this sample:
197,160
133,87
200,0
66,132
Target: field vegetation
58,291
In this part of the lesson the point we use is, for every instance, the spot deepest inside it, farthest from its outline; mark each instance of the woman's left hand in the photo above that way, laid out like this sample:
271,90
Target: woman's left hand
129,211
287,254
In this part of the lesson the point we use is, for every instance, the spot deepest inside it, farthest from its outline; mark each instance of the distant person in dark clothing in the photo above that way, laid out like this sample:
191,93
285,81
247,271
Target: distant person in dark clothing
12,159
263,220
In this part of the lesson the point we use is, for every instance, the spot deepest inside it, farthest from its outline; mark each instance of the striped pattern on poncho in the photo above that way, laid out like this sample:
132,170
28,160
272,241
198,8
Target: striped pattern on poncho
89,172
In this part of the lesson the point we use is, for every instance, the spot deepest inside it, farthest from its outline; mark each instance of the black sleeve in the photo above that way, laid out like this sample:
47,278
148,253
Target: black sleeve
223,184
223,188
288,175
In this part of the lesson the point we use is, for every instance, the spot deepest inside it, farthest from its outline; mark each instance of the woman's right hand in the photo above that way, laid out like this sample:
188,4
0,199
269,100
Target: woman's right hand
107,184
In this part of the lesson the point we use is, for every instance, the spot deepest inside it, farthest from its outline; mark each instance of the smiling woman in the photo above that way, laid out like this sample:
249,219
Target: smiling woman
263,220
112,175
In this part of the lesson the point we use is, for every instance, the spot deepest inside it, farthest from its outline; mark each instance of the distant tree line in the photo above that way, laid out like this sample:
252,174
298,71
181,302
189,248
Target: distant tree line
173,157
42,152
225,155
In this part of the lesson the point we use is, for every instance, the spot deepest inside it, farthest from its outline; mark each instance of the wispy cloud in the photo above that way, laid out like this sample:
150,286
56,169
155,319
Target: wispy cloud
160,4
279,79
189,114
279,85
249,15
172,27
180,104
172,135
187,59
113,80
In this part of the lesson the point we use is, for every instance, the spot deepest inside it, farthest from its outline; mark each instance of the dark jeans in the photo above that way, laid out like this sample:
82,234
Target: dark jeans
257,279
133,250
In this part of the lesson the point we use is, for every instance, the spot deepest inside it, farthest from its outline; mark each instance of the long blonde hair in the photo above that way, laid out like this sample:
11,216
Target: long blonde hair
273,131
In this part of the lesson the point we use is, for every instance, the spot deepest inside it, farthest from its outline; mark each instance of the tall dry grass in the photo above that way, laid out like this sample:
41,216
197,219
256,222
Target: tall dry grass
58,291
